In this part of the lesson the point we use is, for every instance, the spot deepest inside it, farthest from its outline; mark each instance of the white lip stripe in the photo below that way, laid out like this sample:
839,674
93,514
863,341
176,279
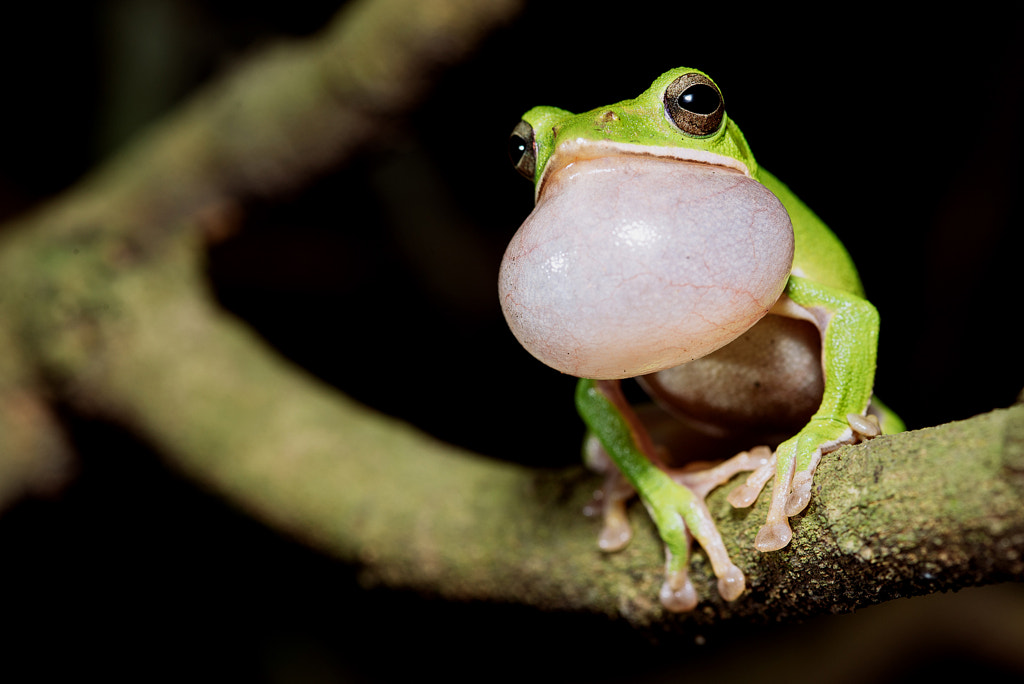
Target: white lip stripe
583,148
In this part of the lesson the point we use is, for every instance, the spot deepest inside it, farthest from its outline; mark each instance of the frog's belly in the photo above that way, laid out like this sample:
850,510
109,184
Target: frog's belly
768,382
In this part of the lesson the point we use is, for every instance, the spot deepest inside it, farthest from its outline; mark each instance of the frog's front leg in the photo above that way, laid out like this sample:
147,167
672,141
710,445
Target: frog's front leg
676,509
849,331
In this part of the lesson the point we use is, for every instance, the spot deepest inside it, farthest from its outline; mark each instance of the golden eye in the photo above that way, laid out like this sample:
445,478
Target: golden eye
695,105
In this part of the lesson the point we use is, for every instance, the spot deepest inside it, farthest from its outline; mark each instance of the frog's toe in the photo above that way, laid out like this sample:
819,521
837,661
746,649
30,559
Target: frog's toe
677,593
864,427
702,481
773,536
732,583
800,493
743,496
747,493
609,501
617,532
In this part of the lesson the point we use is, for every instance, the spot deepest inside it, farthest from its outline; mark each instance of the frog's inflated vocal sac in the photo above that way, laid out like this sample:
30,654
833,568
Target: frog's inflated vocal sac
659,250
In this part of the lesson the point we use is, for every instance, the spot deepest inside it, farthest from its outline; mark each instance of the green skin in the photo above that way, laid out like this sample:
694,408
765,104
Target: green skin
823,288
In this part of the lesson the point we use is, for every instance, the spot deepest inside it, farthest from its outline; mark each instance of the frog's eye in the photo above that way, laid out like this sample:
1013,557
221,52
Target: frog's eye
522,150
694,104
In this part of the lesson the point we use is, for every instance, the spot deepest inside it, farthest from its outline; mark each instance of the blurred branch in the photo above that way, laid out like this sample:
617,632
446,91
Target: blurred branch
105,310
279,118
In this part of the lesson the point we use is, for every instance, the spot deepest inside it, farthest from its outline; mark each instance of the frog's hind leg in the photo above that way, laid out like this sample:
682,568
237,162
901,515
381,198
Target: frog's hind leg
679,513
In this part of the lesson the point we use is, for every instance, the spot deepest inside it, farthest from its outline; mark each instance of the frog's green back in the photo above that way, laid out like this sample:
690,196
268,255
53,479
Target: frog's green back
819,255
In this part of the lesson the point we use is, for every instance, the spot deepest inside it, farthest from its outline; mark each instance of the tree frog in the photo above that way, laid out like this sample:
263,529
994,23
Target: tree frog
658,249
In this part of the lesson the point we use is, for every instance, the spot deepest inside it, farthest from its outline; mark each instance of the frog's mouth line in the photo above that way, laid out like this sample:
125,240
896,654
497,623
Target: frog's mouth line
579,149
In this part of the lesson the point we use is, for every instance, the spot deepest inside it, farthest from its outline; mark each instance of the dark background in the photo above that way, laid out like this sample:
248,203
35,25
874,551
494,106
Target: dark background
901,131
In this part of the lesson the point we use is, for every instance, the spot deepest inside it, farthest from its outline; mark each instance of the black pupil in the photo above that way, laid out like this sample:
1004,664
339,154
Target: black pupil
699,99
516,148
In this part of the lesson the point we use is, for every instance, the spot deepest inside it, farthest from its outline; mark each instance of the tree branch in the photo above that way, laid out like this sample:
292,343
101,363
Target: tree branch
278,119
106,310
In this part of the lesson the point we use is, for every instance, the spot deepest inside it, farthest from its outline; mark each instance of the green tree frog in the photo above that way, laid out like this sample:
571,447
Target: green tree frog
658,249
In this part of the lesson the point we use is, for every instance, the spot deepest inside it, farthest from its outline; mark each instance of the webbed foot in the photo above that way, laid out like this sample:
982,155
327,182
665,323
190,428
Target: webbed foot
680,515
793,465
